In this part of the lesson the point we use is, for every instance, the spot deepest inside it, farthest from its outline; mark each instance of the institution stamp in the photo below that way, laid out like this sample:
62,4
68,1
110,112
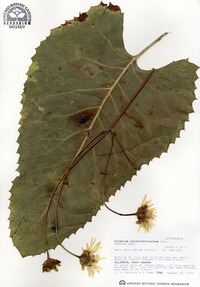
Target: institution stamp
17,16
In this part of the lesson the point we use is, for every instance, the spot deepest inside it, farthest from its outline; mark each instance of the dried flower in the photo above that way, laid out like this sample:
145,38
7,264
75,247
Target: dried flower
50,264
146,214
88,258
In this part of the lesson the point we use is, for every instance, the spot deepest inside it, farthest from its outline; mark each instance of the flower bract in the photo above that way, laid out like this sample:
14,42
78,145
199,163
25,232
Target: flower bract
89,259
146,214
50,264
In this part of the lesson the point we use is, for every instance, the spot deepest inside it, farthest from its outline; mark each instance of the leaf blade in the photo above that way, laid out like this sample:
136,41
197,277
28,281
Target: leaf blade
60,115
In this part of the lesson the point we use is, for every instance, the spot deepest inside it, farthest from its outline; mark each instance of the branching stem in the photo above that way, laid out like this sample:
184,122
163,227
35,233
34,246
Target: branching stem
97,139
103,184
91,144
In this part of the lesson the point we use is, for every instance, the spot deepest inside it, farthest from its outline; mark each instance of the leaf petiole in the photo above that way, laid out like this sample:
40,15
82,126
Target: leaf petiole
150,45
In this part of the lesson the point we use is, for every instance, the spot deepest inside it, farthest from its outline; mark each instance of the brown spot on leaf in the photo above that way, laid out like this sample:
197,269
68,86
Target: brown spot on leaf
60,69
82,119
49,188
92,184
60,205
73,64
65,24
88,69
100,67
22,121
82,17
53,226
138,123
113,8
102,4
151,113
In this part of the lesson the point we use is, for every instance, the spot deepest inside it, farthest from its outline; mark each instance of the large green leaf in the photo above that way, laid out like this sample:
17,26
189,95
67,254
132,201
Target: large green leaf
80,79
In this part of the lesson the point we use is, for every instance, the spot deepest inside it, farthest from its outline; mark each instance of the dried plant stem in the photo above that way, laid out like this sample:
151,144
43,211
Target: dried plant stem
91,144
45,219
61,182
59,195
121,214
103,183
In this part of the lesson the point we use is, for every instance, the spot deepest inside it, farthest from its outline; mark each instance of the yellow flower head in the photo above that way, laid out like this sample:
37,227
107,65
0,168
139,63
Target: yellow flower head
88,258
50,264
146,214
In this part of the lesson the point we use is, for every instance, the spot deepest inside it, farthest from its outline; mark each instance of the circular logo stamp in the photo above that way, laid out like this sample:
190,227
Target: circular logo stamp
17,15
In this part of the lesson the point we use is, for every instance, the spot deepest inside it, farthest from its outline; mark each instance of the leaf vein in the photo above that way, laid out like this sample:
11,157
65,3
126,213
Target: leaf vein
112,46
123,92
101,64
